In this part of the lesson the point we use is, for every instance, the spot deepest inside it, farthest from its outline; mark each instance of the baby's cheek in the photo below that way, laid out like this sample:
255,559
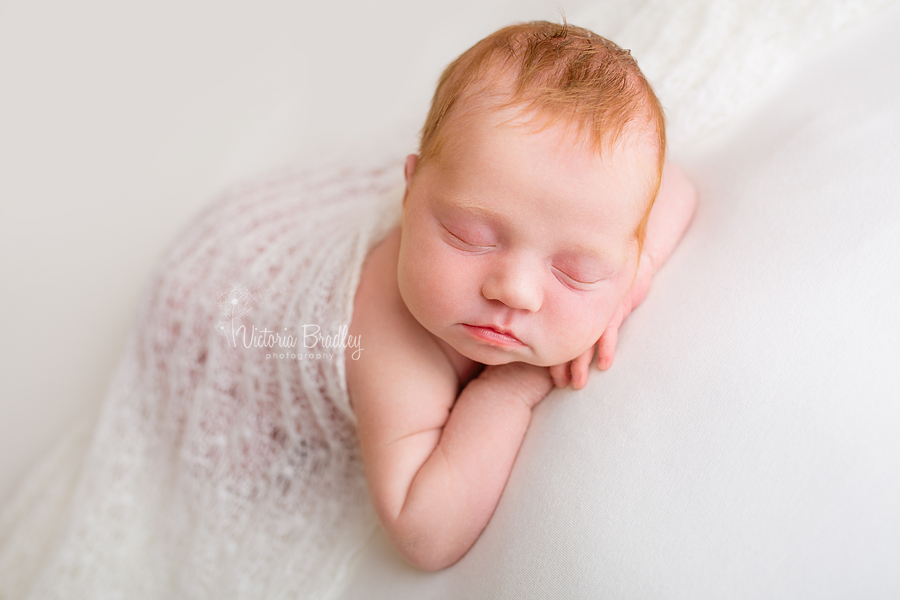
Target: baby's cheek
437,279
598,317
577,324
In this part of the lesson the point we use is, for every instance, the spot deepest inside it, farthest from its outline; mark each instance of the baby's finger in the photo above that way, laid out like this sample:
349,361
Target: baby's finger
580,369
560,375
606,348
606,345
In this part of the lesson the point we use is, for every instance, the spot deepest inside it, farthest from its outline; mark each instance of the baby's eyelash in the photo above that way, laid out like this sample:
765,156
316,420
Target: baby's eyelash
483,246
576,281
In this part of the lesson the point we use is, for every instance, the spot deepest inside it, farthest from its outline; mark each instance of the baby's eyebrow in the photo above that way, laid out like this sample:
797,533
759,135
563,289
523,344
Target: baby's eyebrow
612,259
472,206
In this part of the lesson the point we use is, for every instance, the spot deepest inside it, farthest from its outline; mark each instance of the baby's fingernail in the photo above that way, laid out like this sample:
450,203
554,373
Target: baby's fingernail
604,364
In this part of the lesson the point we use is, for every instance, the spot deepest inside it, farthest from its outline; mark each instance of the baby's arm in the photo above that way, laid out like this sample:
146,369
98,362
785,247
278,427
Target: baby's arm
672,212
435,463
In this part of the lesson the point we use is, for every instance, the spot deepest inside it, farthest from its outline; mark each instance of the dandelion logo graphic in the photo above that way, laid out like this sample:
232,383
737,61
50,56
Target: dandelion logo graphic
234,303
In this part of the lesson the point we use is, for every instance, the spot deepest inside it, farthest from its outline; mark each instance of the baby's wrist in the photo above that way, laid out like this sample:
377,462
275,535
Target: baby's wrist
526,382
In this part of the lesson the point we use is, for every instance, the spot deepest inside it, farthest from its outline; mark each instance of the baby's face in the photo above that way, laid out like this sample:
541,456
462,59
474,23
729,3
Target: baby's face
519,246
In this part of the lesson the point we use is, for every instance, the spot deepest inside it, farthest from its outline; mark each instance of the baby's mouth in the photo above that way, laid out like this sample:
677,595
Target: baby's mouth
493,335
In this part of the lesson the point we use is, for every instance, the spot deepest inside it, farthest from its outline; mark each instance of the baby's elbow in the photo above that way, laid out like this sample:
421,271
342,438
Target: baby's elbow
429,557
688,194
424,531
424,550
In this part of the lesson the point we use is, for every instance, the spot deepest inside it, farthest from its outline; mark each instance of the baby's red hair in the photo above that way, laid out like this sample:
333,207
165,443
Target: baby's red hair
560,72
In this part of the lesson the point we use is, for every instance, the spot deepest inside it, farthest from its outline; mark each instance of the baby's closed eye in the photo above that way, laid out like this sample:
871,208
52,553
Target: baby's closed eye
467,239
581,274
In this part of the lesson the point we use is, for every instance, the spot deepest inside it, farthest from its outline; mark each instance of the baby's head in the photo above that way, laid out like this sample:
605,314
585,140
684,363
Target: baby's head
526,207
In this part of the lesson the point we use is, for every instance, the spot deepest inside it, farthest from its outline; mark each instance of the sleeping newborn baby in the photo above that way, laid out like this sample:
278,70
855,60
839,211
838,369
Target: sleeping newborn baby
526,238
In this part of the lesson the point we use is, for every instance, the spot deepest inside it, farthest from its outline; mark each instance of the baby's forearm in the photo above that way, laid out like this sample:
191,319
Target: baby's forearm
453,495
672,213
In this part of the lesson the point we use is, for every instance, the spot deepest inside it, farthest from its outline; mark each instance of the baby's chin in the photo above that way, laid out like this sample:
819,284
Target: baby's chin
495,356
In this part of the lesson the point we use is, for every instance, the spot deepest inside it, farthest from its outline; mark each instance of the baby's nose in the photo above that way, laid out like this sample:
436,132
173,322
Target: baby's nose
515,283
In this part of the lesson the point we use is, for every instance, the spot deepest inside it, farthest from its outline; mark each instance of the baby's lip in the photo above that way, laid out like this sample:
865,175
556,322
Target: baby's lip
495,333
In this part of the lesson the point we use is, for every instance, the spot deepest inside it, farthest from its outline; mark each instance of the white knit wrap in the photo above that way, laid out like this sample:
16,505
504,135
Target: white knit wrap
217,470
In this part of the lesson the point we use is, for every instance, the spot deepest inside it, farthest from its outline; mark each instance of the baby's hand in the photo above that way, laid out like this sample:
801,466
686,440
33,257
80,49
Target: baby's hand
576,371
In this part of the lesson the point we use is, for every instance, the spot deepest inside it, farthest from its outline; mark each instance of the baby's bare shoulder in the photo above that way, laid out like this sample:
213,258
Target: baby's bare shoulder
401,362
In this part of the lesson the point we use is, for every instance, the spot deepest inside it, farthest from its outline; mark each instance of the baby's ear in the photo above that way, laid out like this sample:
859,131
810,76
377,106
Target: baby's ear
411,161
